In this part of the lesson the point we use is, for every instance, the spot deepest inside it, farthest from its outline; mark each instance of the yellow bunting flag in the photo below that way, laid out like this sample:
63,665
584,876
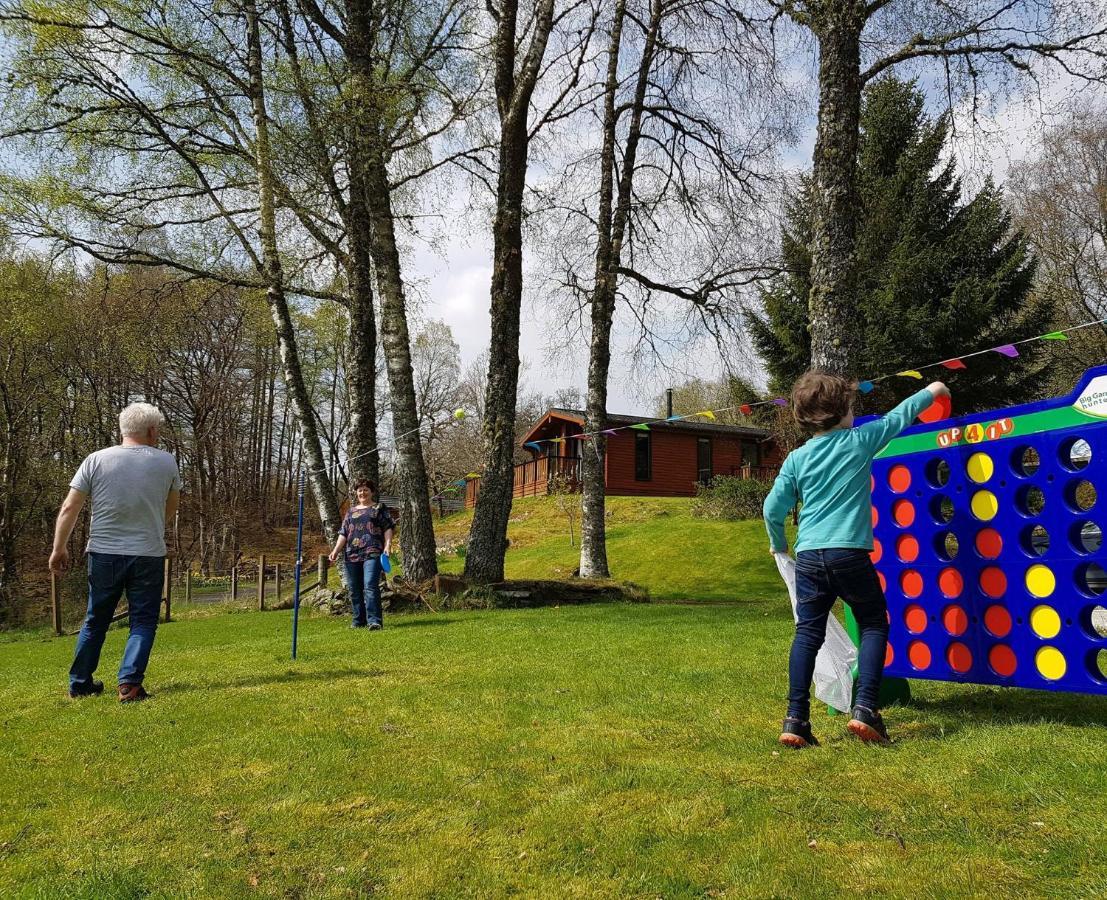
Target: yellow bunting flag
472,475
707,414
910,373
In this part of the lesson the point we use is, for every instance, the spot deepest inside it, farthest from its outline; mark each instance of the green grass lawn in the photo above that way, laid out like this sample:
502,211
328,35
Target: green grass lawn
651,541
614,750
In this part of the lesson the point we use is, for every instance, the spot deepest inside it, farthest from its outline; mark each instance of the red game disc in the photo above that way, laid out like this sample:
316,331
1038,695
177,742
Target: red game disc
938,410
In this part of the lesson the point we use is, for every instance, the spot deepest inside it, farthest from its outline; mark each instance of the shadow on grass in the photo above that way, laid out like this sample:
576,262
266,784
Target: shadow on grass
419,623
277,678
1012,706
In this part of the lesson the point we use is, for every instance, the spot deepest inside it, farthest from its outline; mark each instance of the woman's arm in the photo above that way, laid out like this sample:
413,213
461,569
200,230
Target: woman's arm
388,540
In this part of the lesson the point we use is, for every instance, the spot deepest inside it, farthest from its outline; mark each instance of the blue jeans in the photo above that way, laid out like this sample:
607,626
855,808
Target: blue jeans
822,576
365,590
109,576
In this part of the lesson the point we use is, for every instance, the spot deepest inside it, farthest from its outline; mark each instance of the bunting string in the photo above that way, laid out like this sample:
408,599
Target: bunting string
865,386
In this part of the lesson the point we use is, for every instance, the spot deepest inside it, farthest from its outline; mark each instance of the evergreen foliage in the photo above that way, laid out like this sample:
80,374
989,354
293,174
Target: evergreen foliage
938,276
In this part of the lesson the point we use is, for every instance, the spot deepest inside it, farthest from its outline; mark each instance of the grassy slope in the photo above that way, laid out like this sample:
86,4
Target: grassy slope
651,541
593,751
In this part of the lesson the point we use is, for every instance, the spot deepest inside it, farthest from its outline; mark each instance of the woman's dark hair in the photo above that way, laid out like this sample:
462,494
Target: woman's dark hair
366,483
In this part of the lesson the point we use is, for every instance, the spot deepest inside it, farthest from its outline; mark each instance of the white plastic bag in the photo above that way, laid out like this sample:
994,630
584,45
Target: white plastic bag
837,656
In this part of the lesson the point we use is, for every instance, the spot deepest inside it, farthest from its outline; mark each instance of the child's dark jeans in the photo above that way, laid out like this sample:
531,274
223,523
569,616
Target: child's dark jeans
822,576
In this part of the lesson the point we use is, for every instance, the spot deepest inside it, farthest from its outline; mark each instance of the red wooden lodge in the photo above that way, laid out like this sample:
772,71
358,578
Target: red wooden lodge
668,460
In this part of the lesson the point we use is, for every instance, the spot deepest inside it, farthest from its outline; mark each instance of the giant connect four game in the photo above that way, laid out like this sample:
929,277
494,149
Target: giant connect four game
988,543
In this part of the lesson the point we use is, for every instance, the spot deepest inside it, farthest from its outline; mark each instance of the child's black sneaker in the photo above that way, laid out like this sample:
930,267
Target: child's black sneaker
796,733
867,725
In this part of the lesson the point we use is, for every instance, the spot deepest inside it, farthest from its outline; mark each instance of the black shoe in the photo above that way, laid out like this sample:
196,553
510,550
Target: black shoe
796,734
867,725
357,625
86,690
375,626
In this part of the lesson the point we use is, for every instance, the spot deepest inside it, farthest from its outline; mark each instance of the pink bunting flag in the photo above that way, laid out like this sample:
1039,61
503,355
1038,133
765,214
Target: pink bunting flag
1008,350
954,364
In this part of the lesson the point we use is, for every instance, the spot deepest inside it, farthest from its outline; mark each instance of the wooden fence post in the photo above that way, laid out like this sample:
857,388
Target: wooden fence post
323,570
168,589
55,603
234,582
261,581
277,577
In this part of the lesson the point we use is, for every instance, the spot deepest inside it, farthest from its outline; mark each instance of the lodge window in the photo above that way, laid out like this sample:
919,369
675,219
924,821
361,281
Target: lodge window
642,457
751,455
704,468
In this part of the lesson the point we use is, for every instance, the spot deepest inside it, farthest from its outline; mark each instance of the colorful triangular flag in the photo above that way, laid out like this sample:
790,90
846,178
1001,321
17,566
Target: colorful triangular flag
557,440
674,418
745,409
780,401
910,373
612,431
641,426
1055,336
707,414
865,387
1008,350
534,444
954,364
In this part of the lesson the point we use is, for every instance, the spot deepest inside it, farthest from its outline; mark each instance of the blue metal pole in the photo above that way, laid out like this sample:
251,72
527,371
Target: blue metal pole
299,559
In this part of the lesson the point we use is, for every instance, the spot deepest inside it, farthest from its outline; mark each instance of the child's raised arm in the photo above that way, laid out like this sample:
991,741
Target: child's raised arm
879,432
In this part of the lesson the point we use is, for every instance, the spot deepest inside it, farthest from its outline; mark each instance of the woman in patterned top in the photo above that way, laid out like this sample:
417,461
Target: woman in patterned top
366,532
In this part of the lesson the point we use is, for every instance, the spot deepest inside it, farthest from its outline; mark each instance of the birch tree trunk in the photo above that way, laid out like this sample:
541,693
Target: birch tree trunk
611,230
417,526
484,560
362,369
321,486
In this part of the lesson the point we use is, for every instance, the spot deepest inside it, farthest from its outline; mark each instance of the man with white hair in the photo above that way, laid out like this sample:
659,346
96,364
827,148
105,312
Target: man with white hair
134,488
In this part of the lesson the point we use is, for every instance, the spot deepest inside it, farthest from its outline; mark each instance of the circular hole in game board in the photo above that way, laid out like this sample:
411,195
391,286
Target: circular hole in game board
1091,579
1035,540
950,582
946,545
1094,620
911,583
1025,461
914,618
1097,665
955,620
1075,454
942,509
1080,495
1030,501
1086,537
937,473
919,655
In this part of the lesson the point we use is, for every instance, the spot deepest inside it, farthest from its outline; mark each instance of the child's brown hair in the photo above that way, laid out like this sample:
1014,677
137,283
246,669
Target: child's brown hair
821,400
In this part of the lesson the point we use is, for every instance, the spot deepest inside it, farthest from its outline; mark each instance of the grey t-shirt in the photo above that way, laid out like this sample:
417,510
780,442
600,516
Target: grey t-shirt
128,487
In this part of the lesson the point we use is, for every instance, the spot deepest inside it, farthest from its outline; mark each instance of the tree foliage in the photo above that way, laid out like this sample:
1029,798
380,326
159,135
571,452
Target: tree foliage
938,276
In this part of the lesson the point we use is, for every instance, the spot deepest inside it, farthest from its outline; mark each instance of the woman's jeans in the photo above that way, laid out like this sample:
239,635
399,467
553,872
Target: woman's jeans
109,576
822,576
365,590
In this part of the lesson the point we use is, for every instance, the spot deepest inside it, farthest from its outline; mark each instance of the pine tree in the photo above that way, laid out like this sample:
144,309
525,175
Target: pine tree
937,276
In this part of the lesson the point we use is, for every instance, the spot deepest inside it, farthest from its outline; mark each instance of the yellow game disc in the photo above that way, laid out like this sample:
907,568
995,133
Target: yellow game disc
1040,581
1051,663
1045,621
980,467
984,505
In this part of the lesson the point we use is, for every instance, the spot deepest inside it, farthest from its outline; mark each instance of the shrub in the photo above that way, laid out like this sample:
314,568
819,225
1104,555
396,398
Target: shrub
731,498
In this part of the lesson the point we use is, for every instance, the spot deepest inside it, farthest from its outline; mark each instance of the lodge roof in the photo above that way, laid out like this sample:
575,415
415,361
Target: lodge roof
615,420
